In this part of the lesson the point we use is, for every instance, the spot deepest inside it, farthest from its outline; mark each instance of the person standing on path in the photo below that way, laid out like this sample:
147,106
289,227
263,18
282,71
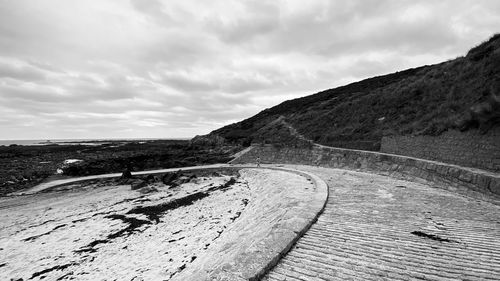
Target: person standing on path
258,161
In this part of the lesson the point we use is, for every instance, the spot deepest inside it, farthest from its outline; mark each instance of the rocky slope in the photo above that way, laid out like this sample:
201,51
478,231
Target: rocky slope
460,94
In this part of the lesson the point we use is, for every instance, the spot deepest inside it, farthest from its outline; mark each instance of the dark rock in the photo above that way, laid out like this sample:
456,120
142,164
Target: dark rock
169,177
152,179
182,179
147,189
215,174
136,184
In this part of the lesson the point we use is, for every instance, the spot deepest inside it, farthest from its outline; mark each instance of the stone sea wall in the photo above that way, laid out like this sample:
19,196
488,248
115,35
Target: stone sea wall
472,182
469,149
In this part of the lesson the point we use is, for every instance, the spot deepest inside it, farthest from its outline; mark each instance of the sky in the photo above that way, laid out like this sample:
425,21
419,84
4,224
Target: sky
174,69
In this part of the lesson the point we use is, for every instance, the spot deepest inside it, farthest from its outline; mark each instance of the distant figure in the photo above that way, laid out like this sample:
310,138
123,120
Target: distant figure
126,174
258,161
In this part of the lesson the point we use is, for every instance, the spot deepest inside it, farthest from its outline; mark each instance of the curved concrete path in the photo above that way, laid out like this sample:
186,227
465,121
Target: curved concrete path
379,228
264,233
376,227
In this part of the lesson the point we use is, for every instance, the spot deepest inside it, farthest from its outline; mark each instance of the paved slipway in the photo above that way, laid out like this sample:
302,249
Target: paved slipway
380,228
216,227
372,227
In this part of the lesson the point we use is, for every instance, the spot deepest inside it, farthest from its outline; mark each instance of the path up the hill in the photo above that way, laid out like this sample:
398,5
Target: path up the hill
380,228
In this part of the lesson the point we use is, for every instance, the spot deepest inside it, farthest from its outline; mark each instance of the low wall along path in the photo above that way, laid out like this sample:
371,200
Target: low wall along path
475,183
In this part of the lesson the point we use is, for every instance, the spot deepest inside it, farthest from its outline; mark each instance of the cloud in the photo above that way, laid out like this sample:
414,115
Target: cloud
21,72
114,68
221,80
255,18
332,29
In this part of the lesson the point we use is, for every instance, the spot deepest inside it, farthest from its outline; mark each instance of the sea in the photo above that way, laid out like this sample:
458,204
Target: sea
77,141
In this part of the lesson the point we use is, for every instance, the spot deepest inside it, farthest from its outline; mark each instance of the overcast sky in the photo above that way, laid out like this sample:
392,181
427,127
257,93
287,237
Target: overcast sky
150,68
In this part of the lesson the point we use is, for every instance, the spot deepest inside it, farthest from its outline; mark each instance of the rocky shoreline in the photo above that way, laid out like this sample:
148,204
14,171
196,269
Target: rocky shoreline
22,167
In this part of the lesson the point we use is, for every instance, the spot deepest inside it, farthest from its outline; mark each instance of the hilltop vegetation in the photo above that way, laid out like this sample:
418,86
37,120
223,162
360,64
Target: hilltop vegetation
461,94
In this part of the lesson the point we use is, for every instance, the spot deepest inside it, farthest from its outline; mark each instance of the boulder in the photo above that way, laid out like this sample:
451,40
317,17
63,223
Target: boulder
215,174
136,184
147,189
152,179
180,180
169,177
13,179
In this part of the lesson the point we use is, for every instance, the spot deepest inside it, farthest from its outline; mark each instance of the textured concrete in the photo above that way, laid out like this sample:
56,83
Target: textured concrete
92,232
380,228
441,223
265,232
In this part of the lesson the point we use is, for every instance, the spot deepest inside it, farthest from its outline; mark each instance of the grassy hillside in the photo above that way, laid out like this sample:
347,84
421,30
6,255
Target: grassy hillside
457,94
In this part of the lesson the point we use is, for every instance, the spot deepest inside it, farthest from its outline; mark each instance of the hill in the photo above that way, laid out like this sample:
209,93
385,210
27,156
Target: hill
462,93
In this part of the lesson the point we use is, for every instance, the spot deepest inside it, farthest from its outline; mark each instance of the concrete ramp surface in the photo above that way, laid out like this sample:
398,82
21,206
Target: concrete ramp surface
379,228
